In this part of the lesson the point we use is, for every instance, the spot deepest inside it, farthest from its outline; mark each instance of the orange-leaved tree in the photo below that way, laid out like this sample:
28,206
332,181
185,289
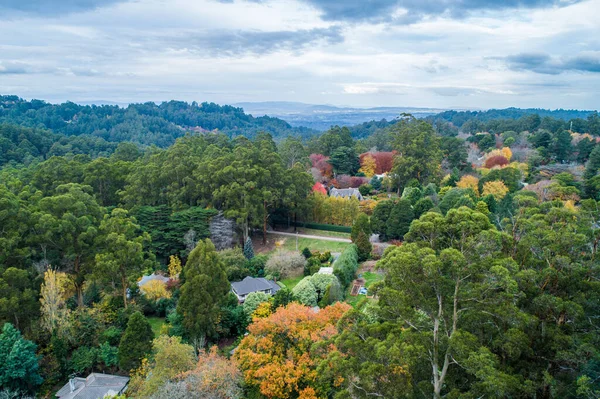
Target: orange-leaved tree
280,355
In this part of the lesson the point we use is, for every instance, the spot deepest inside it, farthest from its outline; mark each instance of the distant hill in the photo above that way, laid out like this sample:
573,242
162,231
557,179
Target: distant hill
145,124
458,118
322,117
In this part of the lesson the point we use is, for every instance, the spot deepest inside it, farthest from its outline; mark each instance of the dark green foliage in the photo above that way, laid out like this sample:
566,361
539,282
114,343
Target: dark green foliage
381,215
413,194
312,265
455,152
282,298
375,183
205,290
346,264
591,169
400,219
364,246
344,161
457,197
361,224
331,140
365,189
248,249
562,146
306,253
145,124
18,361
584,149
19,302
256,265
84,359
136,342
422,206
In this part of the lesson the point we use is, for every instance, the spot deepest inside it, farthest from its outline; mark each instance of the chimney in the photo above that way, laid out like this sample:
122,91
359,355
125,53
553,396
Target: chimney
72,385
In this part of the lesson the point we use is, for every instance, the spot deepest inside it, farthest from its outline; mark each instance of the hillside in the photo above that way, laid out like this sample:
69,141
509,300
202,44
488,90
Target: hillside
146,124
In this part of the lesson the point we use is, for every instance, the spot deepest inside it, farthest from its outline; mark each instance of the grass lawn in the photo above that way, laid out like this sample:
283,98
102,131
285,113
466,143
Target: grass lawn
323,233
370,278
156,323
313,244
291,282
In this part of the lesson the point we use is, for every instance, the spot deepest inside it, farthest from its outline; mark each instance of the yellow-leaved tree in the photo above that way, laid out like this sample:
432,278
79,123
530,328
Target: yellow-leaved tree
155,290
55,290
497,188
469,181
368,165
174,267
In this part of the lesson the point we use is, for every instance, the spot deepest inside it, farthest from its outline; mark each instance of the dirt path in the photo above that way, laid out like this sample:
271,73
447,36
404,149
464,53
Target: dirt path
336,239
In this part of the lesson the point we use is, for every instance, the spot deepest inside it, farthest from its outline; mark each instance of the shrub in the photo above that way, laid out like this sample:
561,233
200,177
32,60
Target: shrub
253,300
364,246
311,264
305,292
306,253
496,160
285,264
346,265
365,189
325,257
136,342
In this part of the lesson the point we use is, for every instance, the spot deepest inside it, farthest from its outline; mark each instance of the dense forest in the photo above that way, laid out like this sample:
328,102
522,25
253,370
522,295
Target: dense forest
472,238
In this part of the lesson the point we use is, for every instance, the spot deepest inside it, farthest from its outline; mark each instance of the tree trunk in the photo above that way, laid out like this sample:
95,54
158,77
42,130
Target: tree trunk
124,285
265,218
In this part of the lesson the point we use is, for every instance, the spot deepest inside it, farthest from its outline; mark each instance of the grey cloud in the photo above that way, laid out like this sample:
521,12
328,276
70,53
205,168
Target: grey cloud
545,64
382,10
52,7
228,43
13,68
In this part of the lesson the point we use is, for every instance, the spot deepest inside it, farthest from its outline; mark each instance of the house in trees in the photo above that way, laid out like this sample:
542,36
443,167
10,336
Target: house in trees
241,289
95,386
154,276
346,193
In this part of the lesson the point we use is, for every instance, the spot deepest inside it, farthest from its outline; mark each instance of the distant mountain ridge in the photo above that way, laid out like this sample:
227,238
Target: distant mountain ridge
322,117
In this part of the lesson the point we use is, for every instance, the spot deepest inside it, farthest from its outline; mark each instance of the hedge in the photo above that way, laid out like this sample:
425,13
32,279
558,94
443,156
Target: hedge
346,264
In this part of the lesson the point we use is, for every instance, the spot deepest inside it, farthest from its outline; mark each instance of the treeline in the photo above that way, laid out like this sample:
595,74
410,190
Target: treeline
146,124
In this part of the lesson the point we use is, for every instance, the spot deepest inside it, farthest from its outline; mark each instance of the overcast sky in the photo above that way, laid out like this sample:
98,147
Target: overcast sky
427,53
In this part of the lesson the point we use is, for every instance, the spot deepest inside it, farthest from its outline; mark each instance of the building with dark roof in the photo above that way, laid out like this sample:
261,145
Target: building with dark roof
95,386
251,284
346,193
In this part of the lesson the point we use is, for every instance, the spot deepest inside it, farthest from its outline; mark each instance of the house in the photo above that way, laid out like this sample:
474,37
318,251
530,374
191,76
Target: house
251,284
346,193
146,279
95,386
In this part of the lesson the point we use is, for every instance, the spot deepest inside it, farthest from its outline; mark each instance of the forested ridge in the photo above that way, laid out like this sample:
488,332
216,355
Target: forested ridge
485,281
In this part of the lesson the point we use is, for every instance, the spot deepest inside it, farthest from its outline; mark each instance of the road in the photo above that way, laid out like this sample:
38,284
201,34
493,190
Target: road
336,239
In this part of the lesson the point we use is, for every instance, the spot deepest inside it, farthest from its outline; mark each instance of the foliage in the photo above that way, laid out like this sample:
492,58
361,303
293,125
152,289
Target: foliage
252,301
171,357
332,210
364,246
496,160
419,155
344,161
361,224
174,267
380,216
496,188
18,361
248,249
285,264
468,181
368,165
345,265
155,290
287,366
399,221
136,342
204,292
18,297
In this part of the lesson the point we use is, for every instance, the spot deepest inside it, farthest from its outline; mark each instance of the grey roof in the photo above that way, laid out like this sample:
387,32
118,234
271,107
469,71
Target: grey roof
151,277
95,386
252,284
345,193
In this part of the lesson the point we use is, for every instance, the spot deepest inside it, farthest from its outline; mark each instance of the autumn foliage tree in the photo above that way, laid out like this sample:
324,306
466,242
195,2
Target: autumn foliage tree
368,165
280,355
496,188
469,181
496,160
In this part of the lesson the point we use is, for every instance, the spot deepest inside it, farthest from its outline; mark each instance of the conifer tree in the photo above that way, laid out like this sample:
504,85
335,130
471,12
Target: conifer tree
136,342
400,218
248,249
205,290
361,224
364,246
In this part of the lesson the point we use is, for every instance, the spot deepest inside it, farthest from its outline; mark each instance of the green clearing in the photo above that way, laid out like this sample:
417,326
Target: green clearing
291,282
313,244
156,323
370,278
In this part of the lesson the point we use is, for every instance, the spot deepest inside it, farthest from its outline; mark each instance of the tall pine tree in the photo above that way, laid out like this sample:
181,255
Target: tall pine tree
136,342
205,290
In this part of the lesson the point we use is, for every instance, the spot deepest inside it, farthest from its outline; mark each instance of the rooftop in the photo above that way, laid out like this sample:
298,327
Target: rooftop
252,284
95,386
